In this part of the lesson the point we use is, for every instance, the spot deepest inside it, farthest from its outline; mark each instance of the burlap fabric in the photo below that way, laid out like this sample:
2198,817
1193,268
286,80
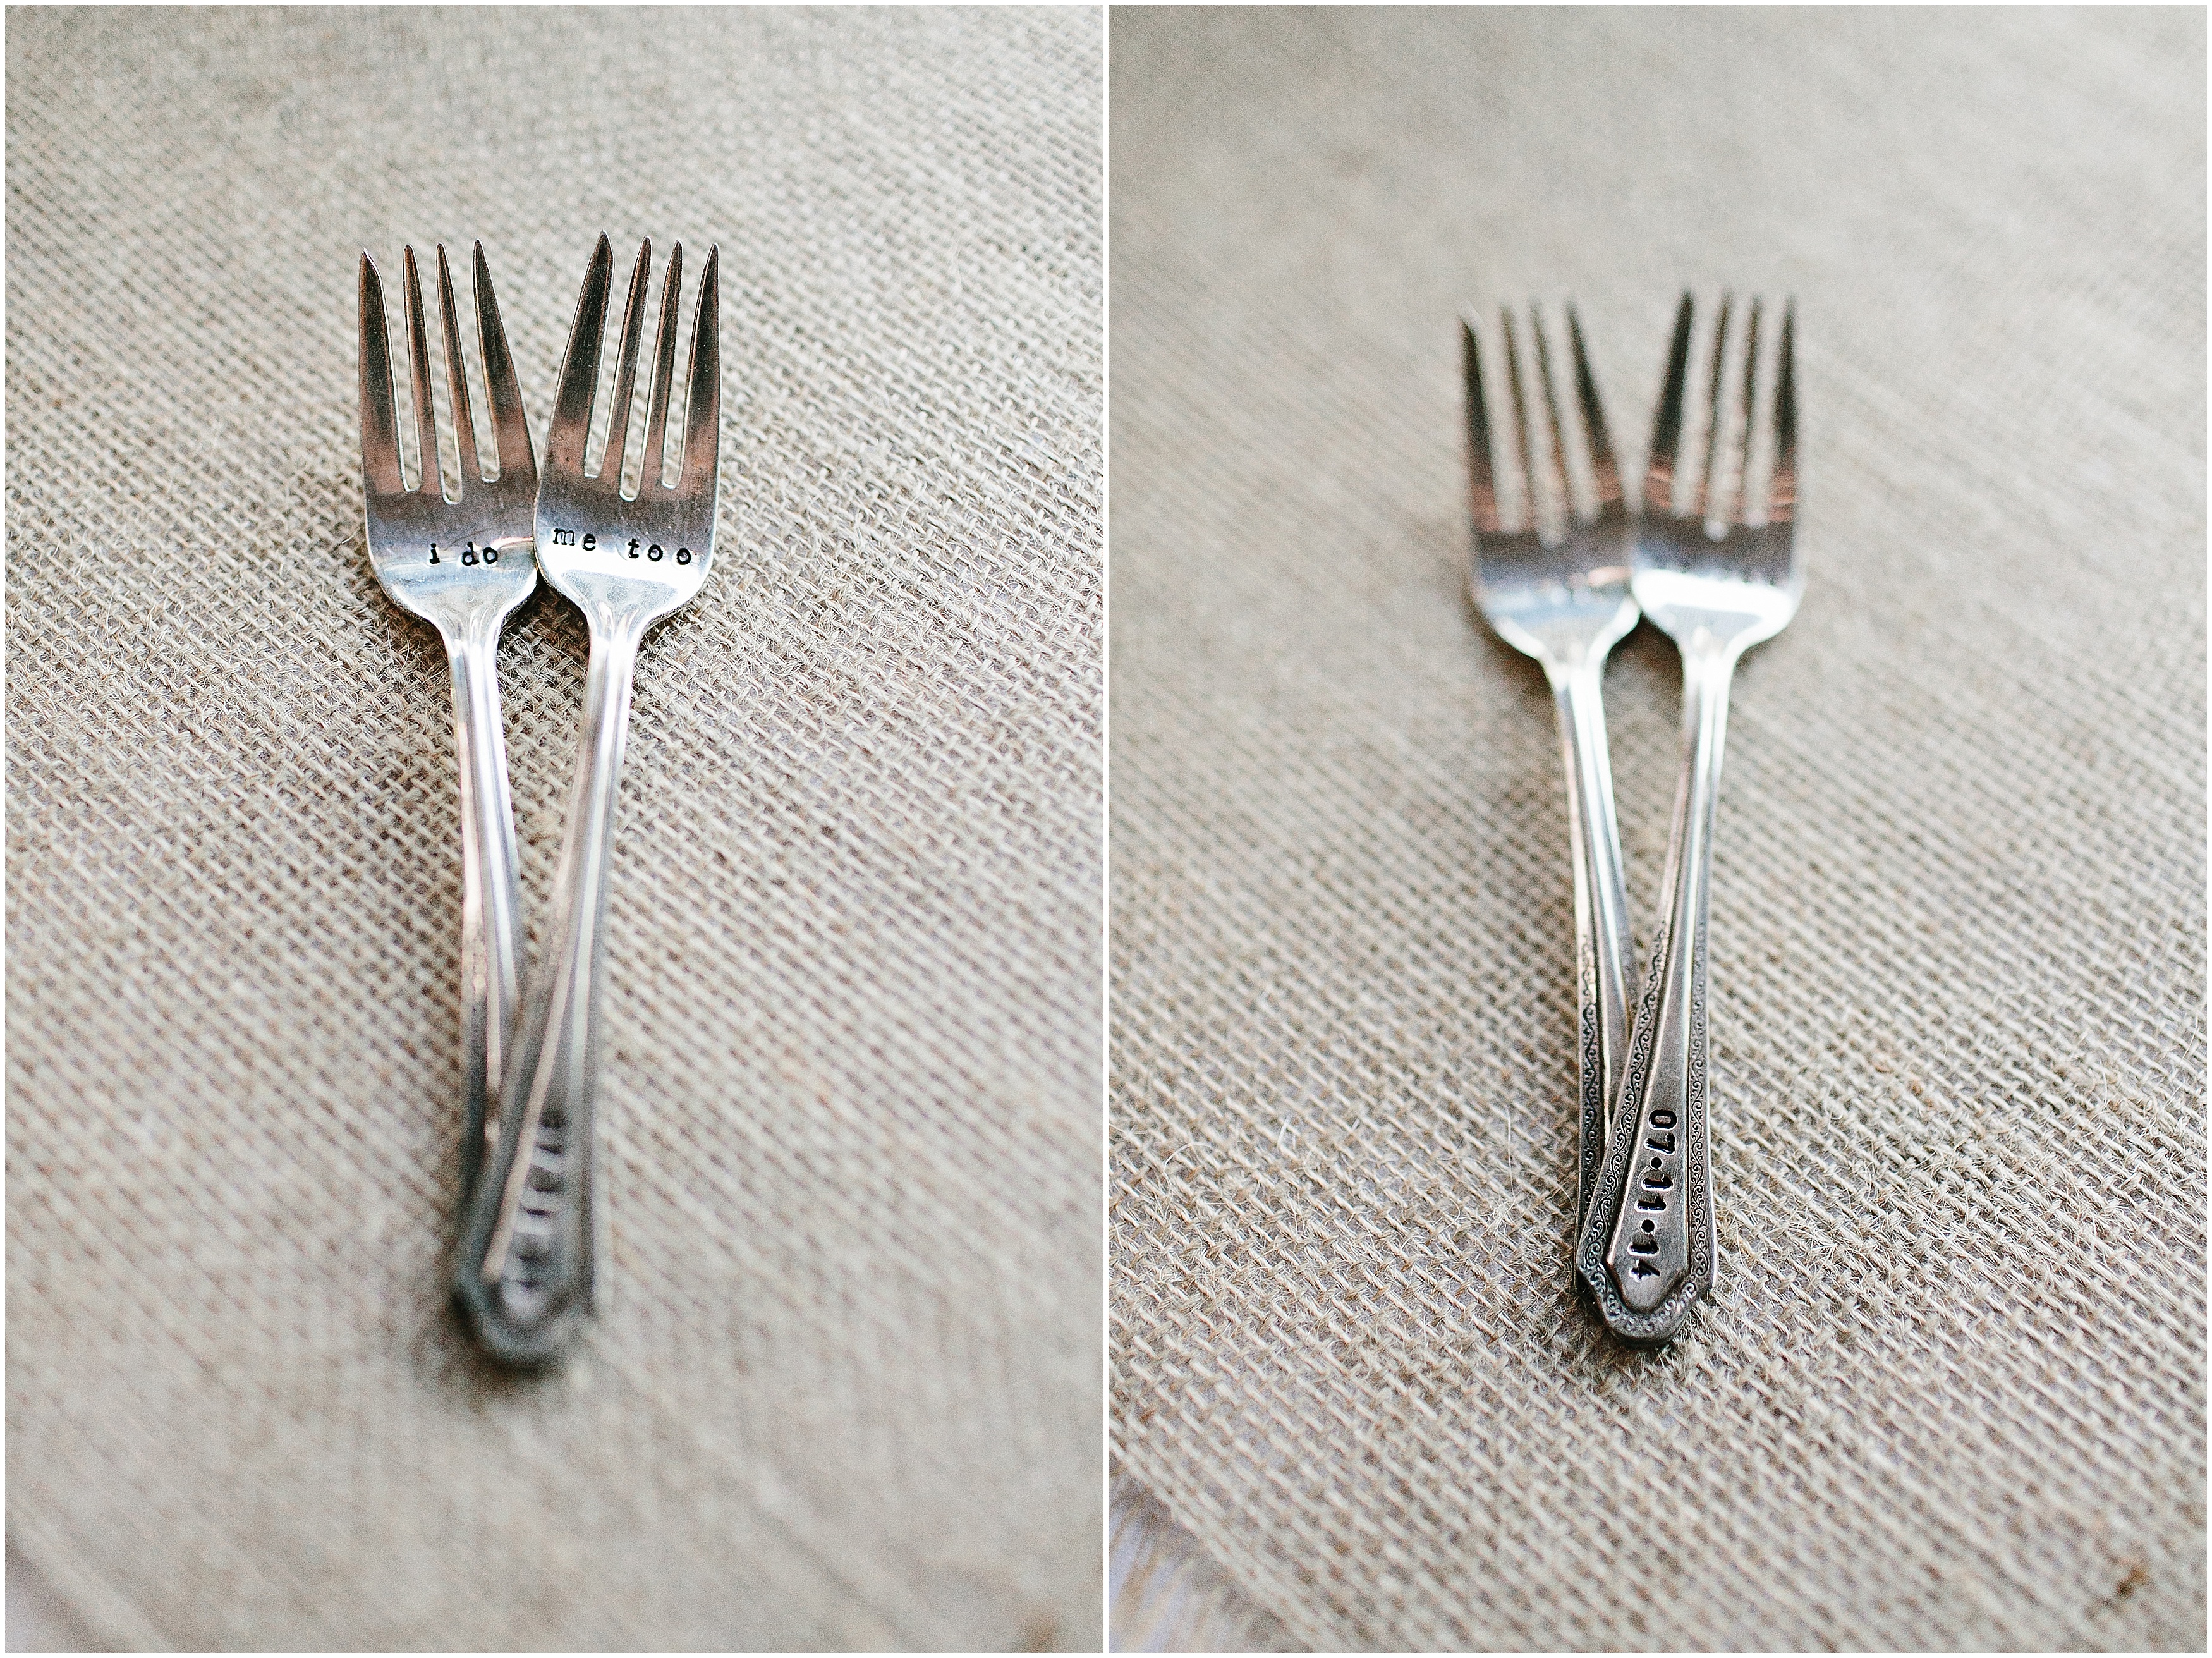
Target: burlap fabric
1951,1394
846,1386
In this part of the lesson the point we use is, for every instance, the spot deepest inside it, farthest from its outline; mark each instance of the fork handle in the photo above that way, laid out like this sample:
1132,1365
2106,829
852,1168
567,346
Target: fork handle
491,908
1648,1249
525,1271
1602,947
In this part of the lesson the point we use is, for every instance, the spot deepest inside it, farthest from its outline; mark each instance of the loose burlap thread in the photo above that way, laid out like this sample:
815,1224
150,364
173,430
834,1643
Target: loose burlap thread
1950,1393
844,1386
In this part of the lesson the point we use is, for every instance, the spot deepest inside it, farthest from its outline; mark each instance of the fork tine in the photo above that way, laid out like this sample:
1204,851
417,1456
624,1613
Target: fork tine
702,434
611,464
1782,497
664,370
1552,410
1527,517
1482,481
464,431
1706,480
1750,390
1667,424
379,435
580,368
1604,475
510,429
418,368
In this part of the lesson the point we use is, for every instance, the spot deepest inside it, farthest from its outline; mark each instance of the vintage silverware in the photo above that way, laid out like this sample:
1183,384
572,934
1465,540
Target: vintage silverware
1717,577
627,561
462,564
1562,597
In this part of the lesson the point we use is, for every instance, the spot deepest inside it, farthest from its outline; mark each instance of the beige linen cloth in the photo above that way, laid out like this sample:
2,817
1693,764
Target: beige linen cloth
1950,1392
846,1388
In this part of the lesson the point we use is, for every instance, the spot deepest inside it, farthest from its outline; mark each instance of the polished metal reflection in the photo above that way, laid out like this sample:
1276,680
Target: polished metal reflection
1561,595
1718,574
458,553
626,562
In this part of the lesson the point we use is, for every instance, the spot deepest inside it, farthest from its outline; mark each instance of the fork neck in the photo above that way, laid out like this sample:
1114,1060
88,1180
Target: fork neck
475,632
1709,662
617,630
1579,663
1707,671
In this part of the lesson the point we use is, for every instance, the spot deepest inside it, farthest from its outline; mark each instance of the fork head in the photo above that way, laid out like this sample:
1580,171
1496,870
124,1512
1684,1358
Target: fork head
1723,566
637,556
1559,591
467,561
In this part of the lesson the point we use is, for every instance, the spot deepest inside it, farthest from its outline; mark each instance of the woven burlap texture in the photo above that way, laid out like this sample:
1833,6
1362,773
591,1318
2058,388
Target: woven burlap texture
1951,1391
846,1385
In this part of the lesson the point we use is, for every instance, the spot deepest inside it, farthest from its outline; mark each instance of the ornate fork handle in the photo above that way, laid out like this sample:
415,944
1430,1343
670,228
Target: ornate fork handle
1648,1249
1603,948
526,1262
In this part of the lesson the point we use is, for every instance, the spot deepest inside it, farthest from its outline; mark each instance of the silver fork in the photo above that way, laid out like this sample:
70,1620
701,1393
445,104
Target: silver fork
1563,599
1718,578
462,565
626,562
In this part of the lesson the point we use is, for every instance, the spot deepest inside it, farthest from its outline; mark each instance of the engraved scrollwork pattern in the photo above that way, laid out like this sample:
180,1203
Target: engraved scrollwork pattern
1591,1154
